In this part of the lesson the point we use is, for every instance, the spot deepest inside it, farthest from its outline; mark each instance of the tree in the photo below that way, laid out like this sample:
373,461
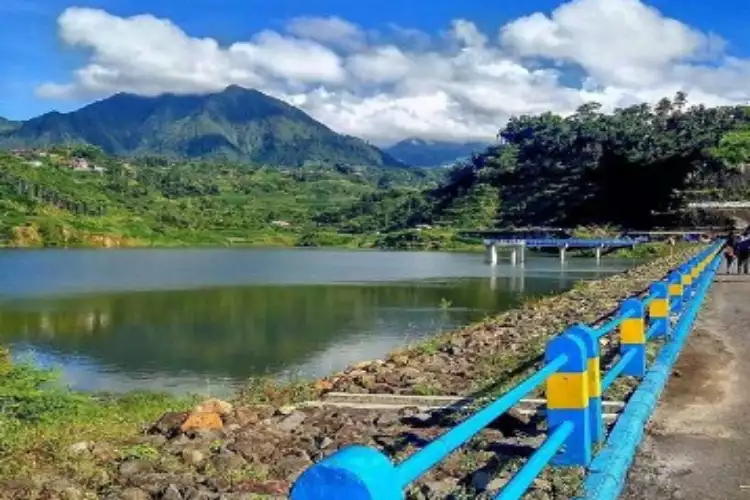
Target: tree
734,148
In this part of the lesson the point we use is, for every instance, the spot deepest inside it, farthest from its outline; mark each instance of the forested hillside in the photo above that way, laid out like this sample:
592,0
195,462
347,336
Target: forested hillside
80,196
634,168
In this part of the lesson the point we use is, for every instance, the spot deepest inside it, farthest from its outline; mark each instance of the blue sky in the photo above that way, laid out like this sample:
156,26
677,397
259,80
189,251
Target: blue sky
32,52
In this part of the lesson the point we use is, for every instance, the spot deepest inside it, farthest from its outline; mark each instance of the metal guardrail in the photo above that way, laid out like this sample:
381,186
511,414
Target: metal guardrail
567,242
574,388
719,204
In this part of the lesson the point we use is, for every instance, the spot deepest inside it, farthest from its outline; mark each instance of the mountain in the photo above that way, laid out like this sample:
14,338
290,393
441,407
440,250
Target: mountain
6,125
421,153
236,124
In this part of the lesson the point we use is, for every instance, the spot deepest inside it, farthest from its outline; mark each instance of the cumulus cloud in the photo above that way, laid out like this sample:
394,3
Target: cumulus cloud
331,30
400,82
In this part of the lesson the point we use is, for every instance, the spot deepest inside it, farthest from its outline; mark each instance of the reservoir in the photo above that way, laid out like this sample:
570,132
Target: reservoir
205,320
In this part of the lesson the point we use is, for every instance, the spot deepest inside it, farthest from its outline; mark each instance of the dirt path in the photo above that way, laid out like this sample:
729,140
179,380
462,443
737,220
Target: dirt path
698,443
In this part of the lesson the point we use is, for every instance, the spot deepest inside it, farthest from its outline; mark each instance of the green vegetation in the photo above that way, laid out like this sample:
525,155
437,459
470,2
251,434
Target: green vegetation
48,432
40,420
580,170
236,125
634,168
150,201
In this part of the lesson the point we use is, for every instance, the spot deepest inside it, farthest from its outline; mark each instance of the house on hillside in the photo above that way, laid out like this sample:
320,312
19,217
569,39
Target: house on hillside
79,164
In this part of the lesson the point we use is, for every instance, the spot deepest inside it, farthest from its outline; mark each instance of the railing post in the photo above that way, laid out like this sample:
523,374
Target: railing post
675,291
593,368
568,399
687,281
658,310
354,472
633,337
697,269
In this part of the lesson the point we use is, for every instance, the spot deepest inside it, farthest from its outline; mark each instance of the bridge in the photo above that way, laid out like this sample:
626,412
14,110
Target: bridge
659,321
719,205
518,246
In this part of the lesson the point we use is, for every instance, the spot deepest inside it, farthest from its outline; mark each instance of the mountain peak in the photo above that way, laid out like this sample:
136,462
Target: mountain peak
235,88
236,124
420,152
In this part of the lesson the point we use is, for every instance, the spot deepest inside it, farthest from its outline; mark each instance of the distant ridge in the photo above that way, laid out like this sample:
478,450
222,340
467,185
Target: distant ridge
236,124
424,153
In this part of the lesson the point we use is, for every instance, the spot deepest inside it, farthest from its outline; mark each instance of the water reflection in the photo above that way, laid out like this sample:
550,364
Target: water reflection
212,334
234,332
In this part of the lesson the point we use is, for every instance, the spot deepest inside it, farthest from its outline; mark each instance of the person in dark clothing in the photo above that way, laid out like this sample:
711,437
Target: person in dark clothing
729,252
743,254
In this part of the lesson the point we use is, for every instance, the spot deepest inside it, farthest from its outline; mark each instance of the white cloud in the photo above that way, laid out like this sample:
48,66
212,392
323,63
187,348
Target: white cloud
400,82
380,65
331,30
616,41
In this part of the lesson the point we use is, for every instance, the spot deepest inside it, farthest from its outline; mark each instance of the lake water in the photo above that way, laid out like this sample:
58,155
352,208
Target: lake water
205,320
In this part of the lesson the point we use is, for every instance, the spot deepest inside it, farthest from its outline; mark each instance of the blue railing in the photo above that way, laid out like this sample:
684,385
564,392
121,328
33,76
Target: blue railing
574,388
568,242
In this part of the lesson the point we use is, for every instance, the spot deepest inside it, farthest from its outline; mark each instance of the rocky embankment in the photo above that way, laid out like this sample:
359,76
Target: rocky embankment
242,450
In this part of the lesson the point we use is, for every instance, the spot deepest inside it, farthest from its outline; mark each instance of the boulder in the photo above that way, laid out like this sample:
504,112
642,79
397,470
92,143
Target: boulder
214,405
133,467
207,420
80,448
171,493
169,424
292,421
134,494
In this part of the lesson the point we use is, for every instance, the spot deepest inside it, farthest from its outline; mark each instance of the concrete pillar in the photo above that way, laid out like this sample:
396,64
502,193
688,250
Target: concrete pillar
490,254
562,253
523,253
513,255
598,255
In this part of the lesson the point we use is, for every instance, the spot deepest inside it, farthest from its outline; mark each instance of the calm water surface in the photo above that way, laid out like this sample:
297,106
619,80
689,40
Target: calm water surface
205,320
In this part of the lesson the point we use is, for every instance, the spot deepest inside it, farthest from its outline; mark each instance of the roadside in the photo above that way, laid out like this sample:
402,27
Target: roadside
698,442
74,446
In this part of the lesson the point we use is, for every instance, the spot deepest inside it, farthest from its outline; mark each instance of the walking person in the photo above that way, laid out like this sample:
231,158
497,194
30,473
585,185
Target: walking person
743,254
729,252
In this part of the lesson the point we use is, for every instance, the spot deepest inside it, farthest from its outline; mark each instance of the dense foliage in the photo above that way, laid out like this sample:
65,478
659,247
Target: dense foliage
44,201
237,125
633,168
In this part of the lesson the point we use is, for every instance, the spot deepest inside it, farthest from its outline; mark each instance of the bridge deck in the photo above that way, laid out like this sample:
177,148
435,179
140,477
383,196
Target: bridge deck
564,242
699,442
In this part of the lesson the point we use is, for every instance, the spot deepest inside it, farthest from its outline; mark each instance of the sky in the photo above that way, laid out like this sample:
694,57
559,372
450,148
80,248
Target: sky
382,70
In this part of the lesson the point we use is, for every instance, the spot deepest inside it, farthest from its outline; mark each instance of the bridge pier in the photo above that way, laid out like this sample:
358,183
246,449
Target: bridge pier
562,253
517,254
518,247
490,254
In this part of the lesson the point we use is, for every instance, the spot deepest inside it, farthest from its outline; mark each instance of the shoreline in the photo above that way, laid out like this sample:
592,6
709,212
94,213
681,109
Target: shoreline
644,250
263,442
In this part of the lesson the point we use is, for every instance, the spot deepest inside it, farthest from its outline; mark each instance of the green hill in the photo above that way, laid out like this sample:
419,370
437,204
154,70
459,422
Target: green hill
236,125
633,168
74,196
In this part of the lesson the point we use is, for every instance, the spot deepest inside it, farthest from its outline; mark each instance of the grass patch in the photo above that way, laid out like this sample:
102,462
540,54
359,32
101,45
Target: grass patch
40,419
265,390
